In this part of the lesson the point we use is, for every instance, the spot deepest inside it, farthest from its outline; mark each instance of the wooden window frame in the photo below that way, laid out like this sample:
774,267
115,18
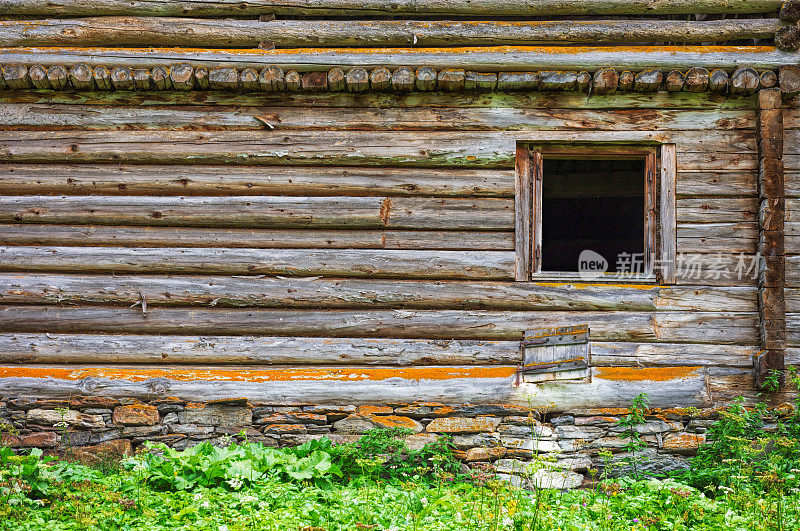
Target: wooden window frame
659,196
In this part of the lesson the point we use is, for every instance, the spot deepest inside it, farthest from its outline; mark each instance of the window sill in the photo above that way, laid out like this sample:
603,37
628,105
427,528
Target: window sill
610,278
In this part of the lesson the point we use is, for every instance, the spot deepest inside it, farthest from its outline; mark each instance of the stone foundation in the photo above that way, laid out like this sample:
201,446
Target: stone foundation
509,437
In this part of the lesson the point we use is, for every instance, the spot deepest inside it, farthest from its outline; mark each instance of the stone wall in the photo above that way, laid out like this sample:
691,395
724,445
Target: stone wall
509,437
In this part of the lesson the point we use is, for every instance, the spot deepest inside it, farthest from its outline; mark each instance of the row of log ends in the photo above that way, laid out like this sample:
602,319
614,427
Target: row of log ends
183,76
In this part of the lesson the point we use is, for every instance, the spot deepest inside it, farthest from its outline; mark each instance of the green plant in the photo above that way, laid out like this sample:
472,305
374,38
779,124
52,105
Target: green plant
630,423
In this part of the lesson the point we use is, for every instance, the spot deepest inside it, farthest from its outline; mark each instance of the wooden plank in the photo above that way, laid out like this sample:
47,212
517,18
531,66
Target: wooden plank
277,292
716,183
237,350
523,196
257,147
525,100
227,8
194,33
718,237
609,386
293,262
53,116
792,300
717,210
667,221
718,162
263,211
699,327
85,179
483,59
717,269
120,236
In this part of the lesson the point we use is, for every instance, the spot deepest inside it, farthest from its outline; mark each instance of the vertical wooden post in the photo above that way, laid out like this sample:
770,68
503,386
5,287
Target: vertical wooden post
771,304
522,214
537,174
650,216
668,225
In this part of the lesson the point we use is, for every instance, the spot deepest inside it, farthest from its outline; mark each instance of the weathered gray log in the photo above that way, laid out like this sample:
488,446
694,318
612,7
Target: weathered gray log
224,79
363,263
293,81
80,77
141,79
237,33
248,80
403,79
489,59
788,38
583,81
264,211
480,81
276,292
72,235
740,237
340,8
397,148
182,76
58,77
716,209
699,327
557,80
336,80
514,81
43,179
160,78
605,81
450,79
767,79
271,79
744,81
790,11
673,82
648,80
608,387
426,78
121,77
15,76
102,78
789,80
38,77
697,80
357,80
234,350
380,79
718,81
201,78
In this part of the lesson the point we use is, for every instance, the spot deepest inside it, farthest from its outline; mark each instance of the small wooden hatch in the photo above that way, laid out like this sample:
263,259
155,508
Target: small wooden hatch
560,353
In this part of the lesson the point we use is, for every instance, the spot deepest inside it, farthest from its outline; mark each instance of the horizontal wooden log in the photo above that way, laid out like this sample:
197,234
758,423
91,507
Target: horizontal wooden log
717,210
527,99
85,179
718,237
235,350
227,33
609,386
484,59
266,292
435,148
264,211
236,8
717,269
256,147
690,327
59,117
717,183
121,236
293,262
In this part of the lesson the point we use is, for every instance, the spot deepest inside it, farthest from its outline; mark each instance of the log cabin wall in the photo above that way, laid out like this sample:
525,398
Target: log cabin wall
329,241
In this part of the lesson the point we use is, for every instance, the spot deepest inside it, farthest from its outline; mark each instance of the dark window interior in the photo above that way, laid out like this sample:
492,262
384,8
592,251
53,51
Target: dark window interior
591,204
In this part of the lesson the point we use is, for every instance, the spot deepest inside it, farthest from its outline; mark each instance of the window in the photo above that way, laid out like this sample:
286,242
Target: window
592,212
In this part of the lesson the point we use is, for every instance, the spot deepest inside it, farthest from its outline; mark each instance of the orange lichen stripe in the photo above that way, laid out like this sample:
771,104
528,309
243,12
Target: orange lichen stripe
259,375
555,50
653,374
